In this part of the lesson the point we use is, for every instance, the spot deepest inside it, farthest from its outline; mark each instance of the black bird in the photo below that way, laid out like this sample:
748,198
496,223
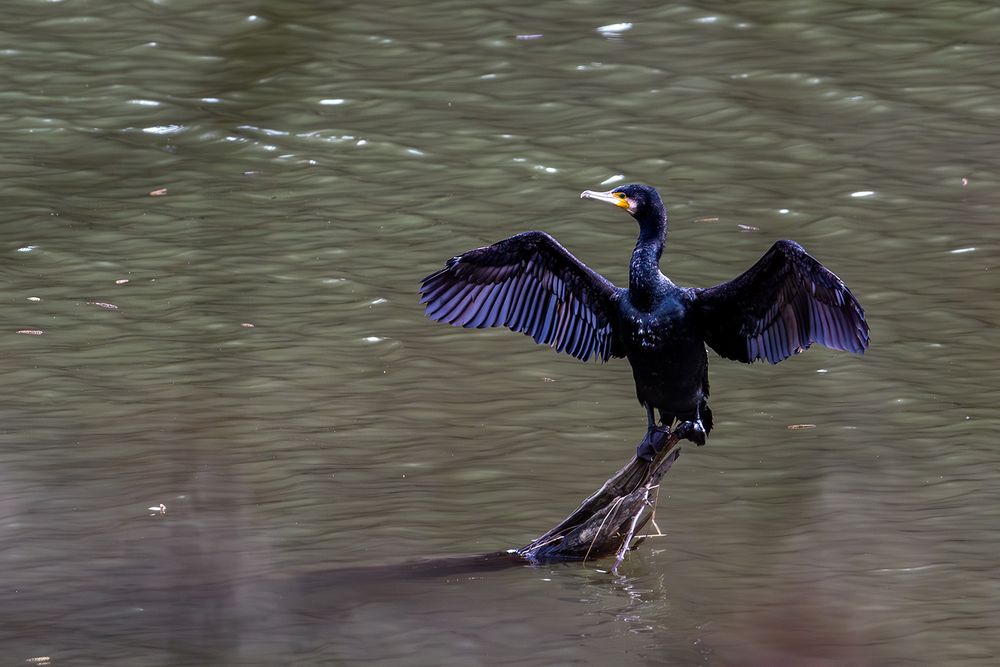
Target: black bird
530,283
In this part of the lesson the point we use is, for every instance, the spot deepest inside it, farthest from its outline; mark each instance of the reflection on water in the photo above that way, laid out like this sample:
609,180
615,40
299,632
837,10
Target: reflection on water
246,348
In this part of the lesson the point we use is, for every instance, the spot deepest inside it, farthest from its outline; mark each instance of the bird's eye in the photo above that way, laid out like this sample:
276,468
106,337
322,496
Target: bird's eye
620,195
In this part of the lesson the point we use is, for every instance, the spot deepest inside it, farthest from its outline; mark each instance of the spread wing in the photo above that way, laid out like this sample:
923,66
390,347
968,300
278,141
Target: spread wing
528,283
779,307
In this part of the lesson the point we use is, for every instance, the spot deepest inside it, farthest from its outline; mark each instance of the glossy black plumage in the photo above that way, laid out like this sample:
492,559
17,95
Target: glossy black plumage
532,284
779,307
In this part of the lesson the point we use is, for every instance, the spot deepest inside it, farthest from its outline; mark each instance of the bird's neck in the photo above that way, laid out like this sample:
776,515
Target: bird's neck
644,275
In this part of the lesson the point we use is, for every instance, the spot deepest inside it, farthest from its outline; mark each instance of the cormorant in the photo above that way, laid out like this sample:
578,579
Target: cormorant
532,284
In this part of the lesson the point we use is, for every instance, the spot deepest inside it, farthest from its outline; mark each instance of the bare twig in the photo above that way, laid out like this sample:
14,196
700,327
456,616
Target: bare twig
620,556
617,502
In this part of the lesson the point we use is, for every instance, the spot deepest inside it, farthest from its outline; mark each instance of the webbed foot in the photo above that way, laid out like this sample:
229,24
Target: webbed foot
691,430
652,443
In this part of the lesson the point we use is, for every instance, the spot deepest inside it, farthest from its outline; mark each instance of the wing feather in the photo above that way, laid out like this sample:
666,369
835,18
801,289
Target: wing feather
531,284
779,307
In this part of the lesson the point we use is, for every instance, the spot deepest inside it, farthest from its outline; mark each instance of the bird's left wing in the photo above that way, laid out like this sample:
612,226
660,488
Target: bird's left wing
528,283
779,307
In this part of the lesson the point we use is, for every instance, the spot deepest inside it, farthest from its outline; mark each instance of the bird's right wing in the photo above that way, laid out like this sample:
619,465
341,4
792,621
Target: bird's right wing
528,283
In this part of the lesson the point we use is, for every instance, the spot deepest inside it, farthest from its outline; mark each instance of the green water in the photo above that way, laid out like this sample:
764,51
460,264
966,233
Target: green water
318,160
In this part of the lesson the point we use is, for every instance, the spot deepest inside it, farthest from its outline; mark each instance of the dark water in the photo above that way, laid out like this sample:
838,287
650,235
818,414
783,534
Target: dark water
320,158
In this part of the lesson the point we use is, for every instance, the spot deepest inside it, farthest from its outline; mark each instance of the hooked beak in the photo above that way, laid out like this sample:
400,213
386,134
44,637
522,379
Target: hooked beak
608,198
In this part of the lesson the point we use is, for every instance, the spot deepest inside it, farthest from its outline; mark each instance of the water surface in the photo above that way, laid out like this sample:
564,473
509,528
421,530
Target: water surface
247,350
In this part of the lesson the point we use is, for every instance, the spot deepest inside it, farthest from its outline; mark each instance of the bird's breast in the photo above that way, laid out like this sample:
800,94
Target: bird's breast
654,328
647,336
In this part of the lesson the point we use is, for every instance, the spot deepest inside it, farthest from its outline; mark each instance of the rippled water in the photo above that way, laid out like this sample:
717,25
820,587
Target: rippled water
246,348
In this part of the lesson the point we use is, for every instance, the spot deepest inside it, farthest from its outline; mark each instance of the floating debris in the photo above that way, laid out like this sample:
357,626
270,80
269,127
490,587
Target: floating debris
748,228
101,304
30,332
158,193
707,219
121,281
157,509
798,427
247,325
39,660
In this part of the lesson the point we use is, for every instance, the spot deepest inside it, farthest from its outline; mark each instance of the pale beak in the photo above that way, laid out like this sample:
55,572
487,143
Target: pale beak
606,197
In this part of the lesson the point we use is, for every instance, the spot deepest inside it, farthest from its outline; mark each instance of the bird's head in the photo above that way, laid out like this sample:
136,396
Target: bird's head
641,201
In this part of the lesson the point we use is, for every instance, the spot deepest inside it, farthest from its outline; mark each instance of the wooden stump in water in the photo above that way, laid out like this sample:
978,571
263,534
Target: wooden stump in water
607,522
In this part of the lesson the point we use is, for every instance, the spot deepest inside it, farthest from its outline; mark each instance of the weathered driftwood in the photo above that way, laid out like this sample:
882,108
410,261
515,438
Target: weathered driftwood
607,522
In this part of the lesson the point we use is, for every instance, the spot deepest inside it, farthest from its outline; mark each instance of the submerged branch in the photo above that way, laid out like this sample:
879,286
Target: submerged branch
606,523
